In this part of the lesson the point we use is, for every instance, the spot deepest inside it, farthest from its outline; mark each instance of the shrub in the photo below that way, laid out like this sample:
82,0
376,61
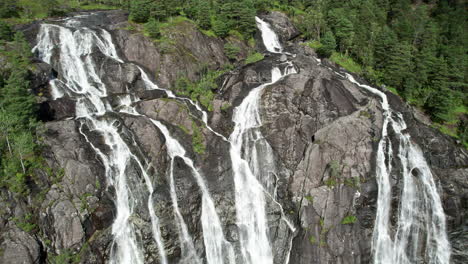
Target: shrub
231,51
328,45
254,57
350,219
5,31
152,28
139,11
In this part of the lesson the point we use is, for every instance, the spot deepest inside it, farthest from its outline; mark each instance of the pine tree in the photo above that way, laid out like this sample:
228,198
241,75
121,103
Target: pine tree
328,45
398,66
203,17
152,28
386,39
5,31
139,11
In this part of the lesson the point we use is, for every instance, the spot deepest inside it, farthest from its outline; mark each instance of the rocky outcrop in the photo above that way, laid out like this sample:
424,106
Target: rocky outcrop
177,55
19,247
281,25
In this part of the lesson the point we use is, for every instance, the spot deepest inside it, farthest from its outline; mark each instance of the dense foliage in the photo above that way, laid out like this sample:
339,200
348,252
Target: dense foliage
17,114
416,48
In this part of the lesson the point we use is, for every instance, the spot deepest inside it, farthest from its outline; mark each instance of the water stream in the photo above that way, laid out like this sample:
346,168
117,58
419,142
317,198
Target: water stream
71,50
419,235
253,165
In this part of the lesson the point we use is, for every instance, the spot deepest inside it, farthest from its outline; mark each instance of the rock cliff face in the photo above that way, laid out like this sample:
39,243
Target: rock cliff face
323,131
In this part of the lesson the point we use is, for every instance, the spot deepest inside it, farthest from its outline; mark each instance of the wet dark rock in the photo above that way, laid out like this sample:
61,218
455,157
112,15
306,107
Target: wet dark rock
58,109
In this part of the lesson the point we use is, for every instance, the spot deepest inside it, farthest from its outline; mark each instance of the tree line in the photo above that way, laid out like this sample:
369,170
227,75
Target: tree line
18,138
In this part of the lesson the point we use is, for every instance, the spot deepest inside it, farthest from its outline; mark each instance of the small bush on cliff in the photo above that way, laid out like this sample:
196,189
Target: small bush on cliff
254,57
231,51
198,140
350,219
152,28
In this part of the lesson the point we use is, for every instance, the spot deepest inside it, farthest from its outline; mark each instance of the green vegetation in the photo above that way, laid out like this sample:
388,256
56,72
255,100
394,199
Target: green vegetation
350,219
231,51
218,17
198,140
23,11
327,45
312,239
254,57
18,142
25,223
418,49
225,106
201,91
66,257
353,182
346,62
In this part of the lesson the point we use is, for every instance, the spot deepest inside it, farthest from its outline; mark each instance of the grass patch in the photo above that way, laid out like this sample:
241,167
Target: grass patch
198,140
314,44
25,223
350,219
446,129
346,62
225,106
353,182
209,33
172,22
254,57
392,90
312,240
88,6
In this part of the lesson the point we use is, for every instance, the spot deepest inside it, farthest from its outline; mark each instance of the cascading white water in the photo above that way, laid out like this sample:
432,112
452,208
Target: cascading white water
253,166
270,39
81,82
249,191
152,86
420,235
218,249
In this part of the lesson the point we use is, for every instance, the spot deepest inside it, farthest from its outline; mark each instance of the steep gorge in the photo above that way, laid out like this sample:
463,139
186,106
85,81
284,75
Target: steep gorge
299,169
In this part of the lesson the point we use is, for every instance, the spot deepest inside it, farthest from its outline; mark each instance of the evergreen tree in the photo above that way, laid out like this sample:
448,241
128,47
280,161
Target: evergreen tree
398,66
203,17
152,28
139,11
386,39
5,31
9,8
328,45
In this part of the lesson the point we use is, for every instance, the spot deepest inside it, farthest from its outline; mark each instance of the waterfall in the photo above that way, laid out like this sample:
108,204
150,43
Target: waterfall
70,50
270,39
420,235
218,249
152,86
253,166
